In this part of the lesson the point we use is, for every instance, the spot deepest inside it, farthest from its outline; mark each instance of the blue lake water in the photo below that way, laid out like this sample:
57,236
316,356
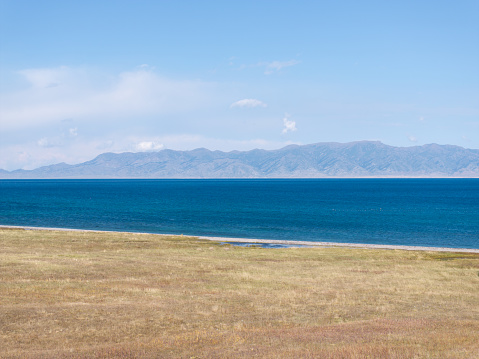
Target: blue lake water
424,212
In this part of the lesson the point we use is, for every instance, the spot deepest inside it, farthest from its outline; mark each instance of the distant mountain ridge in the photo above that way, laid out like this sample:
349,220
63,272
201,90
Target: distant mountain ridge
319,160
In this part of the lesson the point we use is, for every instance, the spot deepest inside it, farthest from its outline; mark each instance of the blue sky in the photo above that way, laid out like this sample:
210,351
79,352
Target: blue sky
79,78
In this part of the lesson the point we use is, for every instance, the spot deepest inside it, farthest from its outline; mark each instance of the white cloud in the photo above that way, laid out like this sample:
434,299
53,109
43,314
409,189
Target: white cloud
88,95
289,126
248,102
148,146
278,65
412,138
73,132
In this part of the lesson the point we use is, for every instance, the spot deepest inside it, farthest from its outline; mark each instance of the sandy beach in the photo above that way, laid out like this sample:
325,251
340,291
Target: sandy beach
271,241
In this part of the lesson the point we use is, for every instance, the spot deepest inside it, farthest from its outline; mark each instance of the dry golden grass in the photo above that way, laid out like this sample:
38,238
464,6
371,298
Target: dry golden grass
118,295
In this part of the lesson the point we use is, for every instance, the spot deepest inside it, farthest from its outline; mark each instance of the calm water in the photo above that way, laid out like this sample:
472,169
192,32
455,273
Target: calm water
429,212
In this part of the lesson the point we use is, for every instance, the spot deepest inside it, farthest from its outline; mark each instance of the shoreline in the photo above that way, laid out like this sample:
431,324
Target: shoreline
268,241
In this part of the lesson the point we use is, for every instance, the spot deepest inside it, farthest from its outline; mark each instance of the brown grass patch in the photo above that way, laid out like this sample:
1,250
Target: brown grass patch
119,295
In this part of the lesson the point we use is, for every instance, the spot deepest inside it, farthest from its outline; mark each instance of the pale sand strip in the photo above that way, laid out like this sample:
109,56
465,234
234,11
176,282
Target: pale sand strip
338,244
271,241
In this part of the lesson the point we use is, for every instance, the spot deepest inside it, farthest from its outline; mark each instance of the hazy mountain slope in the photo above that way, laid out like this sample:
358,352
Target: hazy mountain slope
355,159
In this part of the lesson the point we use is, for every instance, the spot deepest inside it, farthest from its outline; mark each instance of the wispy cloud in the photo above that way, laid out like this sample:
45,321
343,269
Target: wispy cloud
412,138
278,65
289,126
270,66
47,77
248,102
54,94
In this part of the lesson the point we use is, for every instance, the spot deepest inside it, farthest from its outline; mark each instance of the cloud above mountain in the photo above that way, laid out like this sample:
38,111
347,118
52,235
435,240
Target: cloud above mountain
146,146
288,125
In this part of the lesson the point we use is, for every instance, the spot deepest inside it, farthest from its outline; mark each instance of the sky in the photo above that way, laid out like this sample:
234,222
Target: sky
80,78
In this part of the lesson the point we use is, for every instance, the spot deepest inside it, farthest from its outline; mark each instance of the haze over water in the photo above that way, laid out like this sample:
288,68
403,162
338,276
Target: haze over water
417,212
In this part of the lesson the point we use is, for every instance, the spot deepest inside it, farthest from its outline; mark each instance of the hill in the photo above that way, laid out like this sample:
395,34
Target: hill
320,160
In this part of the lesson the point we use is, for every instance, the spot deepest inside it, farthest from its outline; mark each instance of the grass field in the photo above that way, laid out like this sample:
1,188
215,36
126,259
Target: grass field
121,295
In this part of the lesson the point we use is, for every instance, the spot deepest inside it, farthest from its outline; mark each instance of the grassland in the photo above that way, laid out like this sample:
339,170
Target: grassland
119,295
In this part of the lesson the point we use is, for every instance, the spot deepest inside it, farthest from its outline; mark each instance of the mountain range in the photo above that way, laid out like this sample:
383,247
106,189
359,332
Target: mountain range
320,160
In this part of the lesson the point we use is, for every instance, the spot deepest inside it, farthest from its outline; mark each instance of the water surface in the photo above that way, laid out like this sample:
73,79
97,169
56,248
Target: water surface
421,212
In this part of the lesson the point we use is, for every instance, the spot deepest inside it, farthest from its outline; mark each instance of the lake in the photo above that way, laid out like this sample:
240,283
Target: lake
416,212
